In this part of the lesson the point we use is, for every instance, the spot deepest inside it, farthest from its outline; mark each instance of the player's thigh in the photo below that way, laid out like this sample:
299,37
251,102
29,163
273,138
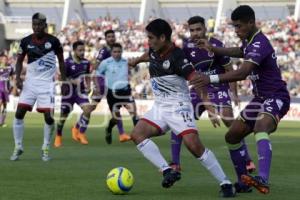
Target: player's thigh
265,123
27,98
150,125
226,114
131,107
237,131
45,98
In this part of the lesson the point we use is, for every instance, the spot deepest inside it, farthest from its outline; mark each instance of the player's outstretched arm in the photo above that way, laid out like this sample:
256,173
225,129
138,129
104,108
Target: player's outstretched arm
132,62
232,76
221,51
62,68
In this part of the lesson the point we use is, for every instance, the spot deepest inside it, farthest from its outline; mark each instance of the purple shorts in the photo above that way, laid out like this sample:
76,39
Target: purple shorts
100,89
4,96
220,99
276,107
67,103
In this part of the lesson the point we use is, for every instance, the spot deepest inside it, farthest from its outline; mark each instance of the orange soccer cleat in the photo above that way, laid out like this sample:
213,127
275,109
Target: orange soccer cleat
75,133
58,141
124,137
83,139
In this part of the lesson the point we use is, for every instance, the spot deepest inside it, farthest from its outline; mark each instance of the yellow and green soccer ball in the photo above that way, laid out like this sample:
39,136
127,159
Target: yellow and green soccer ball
119,180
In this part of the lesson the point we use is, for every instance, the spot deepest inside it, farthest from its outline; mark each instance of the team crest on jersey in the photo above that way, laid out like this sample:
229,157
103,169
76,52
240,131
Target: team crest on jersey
48,45
211,54
166,64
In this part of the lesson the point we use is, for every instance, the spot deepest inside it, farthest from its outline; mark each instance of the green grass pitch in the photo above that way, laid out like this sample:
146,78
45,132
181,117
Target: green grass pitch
79,172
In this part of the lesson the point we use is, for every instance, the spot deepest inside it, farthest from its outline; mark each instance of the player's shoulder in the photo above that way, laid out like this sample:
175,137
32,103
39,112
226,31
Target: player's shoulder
177,52
260,39
85,61
26,39
108,60
216,42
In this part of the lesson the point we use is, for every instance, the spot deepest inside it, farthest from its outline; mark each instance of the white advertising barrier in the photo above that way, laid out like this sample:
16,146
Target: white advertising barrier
144,105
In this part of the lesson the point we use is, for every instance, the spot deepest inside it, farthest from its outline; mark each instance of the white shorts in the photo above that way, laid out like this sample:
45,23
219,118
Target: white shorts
179,117
40,92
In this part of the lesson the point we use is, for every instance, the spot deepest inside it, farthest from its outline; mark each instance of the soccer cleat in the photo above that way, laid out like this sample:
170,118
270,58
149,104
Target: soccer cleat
227,190
175,166
16,154
108,135
124,137
170,177
83,139
75,133
58,141
256,181
45,155
250,166
242,188
3,125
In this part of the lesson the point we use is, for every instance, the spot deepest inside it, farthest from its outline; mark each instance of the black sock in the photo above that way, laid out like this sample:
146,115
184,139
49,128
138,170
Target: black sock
111,124
135,120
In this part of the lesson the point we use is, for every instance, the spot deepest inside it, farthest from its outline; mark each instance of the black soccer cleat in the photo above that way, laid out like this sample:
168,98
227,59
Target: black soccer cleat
242,188
227,190
256,181
170,177
108,135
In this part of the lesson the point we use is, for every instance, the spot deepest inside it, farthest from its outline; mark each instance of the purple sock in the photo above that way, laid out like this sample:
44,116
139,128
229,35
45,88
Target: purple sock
237,154
264,152
77,125
175,147
120,126
247,155
83,121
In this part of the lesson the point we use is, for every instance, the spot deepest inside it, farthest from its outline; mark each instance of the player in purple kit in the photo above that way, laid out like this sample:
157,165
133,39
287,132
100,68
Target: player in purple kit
271,99
77,67
6,72
219,94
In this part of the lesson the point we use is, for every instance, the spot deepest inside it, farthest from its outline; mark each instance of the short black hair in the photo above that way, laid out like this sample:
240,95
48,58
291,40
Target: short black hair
108,32
39,16
160,27
195,20
243,13
77,43
116,45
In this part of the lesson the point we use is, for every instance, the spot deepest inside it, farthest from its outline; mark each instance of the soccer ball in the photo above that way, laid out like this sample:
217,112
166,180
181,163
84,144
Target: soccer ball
119,180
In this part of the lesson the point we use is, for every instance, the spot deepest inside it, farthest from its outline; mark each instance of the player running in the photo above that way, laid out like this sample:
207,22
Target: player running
219,94
77,69
169,70
115,70
40,48
271,98
6,73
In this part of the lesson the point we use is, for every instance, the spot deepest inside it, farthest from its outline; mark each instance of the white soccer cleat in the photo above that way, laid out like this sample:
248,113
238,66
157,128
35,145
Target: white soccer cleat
45,155
16,154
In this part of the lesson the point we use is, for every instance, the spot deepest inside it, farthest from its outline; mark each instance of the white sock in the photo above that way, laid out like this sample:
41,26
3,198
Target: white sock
18,129
48,131
210,162
150,150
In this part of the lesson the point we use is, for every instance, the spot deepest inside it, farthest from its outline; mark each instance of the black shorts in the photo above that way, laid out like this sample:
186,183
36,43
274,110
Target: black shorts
119,98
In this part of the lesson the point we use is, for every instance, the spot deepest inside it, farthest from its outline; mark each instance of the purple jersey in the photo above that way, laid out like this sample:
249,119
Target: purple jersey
266,76
5,73
103,54
75,70
207,62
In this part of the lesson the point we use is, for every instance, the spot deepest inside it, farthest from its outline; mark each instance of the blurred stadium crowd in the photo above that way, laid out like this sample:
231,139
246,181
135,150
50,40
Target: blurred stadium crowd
283,33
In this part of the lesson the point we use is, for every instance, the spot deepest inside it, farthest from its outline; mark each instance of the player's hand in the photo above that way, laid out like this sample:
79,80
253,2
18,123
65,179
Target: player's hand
213,116
204,44
19,83
132,62
200,80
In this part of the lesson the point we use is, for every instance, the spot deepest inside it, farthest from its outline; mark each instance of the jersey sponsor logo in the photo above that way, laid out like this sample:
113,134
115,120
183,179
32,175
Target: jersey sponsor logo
154,85
256,44
279,103
166,64
152,56
253,54
48,45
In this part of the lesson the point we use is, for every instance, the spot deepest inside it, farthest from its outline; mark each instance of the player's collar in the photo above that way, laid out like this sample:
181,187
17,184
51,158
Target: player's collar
76,60
167,51
253,36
